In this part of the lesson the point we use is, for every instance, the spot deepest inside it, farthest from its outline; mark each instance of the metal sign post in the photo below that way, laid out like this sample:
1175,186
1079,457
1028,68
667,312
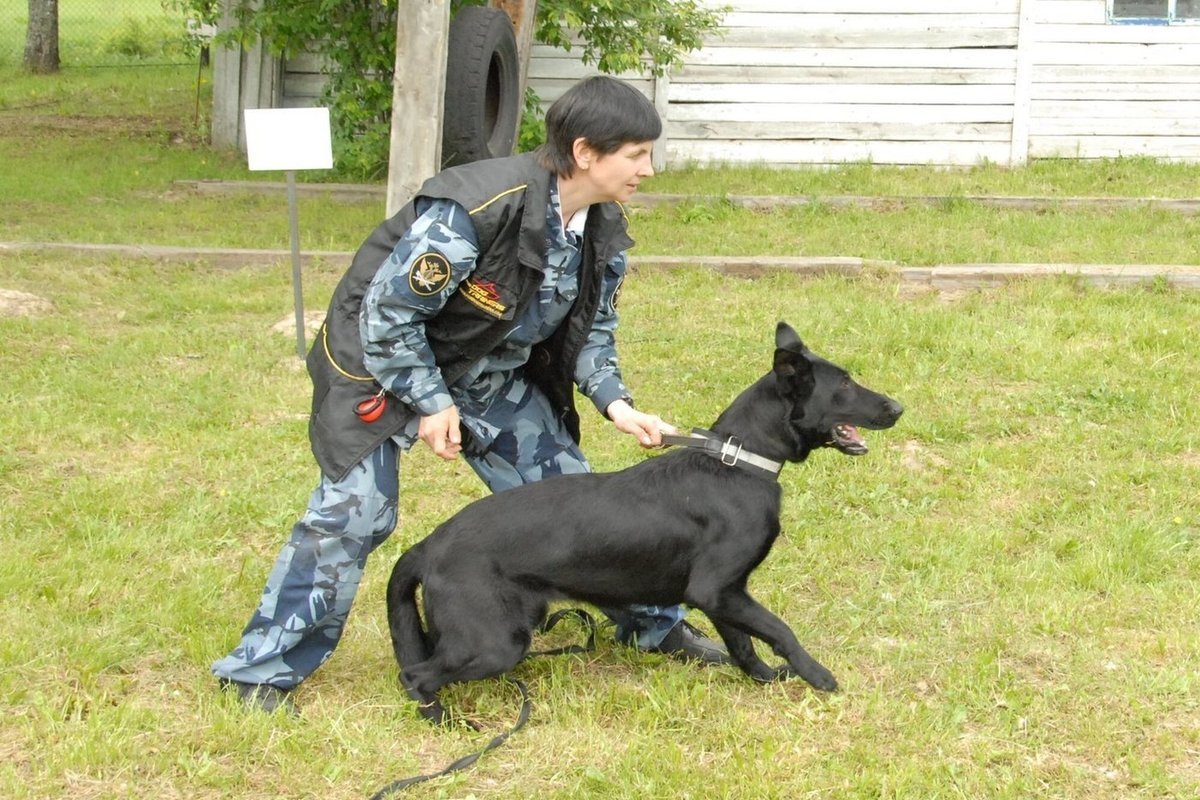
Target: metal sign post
289,139
297,294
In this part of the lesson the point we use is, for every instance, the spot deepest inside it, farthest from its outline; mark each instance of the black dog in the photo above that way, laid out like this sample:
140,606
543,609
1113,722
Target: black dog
687,527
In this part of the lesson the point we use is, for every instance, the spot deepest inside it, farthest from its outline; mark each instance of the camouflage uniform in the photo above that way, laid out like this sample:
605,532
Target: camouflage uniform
514,436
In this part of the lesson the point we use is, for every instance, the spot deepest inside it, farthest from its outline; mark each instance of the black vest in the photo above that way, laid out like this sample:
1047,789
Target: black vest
508,200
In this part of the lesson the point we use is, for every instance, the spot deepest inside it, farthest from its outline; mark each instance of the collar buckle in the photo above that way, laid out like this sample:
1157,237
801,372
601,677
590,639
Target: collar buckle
731,451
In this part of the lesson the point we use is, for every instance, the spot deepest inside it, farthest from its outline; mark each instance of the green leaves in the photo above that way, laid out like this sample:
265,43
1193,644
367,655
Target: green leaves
627,35
358,37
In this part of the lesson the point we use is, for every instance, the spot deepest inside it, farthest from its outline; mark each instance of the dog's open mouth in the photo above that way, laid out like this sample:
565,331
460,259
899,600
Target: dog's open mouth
847,439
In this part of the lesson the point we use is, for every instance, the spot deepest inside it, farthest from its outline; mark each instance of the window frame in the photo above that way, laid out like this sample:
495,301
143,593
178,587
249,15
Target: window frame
1169,19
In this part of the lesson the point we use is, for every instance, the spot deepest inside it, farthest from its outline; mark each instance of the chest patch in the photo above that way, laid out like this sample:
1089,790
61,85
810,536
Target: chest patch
484,295
429,275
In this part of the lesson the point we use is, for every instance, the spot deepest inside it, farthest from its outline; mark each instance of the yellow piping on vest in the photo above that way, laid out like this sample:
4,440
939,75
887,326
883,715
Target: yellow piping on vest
334,364
497,197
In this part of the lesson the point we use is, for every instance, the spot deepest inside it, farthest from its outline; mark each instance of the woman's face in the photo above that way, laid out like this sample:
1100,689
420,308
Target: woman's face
616,175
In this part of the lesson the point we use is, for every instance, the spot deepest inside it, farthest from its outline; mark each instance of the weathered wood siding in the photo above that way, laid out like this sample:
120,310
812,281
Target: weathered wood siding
303,80
826,82
1102,90
792,82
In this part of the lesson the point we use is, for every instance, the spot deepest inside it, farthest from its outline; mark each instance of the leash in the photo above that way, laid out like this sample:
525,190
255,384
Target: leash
728,451
588,621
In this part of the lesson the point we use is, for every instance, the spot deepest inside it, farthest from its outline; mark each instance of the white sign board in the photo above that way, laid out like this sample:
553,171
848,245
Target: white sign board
288,139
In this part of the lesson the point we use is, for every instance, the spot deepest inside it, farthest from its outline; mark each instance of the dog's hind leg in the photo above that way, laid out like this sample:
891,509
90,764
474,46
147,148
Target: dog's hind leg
453,664
478,635
410,642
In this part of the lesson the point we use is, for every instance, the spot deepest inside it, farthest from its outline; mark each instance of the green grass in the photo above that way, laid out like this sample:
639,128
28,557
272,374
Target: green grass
1005,586
126,163
98,33
1128,177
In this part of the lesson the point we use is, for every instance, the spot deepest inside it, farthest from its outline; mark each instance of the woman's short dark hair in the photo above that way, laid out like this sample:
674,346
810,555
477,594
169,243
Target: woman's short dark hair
605,112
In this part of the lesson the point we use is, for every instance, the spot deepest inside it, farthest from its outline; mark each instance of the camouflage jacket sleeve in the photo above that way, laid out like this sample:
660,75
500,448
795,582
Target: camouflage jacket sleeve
422,272
596,370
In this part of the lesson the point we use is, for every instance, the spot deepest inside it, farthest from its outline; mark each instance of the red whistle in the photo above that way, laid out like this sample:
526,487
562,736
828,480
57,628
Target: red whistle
372,408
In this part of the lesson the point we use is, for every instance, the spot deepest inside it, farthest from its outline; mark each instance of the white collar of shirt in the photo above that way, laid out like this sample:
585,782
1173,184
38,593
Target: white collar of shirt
578,221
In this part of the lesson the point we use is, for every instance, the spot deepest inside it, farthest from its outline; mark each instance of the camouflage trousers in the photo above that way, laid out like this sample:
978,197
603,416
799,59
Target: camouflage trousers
516,439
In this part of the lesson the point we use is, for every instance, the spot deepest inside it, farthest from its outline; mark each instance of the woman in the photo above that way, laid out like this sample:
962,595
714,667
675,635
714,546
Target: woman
466,321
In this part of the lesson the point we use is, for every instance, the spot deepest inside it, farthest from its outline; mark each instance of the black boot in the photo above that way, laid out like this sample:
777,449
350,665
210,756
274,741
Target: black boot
686,643
262,697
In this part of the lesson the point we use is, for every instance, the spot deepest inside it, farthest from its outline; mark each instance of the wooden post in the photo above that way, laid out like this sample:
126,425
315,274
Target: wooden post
227,87
522,13
662,97
1023,85
422,29
242,78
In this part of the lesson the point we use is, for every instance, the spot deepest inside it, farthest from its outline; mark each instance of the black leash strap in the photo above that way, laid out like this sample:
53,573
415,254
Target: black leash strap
468,760
589,622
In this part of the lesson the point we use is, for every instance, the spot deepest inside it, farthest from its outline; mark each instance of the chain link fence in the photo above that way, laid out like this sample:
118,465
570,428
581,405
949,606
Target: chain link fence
105,33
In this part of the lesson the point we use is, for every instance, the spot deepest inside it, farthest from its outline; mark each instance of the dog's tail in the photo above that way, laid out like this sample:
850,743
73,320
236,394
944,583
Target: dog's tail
409,640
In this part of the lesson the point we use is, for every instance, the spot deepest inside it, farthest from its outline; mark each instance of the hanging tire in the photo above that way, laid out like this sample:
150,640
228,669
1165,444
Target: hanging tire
482,104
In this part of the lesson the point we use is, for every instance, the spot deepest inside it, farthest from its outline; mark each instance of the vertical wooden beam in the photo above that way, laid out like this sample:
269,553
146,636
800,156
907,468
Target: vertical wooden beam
662,98
227,86
422,29
1023,84
242,78
251,68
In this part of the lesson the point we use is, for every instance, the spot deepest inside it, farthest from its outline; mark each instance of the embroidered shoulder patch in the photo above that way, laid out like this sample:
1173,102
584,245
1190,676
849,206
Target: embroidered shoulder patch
484,295
430,274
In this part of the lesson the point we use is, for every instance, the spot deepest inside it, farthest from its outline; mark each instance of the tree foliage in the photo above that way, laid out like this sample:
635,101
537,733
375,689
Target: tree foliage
626,35
358,40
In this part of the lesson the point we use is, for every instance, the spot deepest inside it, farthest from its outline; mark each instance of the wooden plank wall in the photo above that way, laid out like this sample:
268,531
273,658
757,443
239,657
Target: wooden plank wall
1102,90
827,82
824,82
303,80
793,82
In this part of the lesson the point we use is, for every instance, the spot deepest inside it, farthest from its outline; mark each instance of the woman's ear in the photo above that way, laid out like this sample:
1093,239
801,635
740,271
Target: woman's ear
583,153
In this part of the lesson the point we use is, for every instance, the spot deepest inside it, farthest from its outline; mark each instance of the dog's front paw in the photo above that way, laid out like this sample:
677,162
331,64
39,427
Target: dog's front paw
814,674
819,678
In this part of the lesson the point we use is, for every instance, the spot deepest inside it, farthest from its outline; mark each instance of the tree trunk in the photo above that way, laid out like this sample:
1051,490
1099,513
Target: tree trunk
41,37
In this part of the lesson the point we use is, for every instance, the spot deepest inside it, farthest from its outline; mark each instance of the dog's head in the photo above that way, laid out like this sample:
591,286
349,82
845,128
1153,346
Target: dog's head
827,406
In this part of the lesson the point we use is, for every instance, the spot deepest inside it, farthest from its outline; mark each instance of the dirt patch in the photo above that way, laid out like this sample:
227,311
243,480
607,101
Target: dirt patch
915,289
312,323
15,124
920,459
23,304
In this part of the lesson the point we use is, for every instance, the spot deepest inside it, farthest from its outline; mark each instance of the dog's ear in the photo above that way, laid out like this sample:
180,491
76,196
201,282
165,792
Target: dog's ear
786,338
792,368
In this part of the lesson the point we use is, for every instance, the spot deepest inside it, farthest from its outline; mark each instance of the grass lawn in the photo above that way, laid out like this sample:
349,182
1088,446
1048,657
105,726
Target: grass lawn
97,33
1006,586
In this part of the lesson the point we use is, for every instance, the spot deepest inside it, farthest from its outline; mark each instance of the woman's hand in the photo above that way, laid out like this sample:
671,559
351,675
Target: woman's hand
442,433
648,428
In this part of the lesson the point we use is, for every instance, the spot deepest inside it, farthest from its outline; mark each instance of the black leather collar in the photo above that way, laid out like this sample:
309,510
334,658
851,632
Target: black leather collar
728,451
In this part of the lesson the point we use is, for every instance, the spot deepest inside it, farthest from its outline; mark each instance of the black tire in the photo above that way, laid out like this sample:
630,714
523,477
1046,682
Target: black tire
482,104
